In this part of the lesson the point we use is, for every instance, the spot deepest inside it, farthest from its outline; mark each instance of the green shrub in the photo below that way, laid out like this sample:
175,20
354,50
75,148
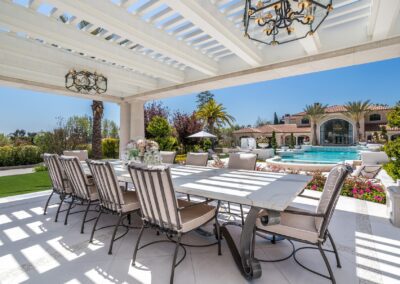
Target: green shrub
168,143
20,155
41,168
393,169
4,140
110,148
180,159
392,149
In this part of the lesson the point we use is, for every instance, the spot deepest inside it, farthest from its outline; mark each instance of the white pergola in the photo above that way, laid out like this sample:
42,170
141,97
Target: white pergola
151,49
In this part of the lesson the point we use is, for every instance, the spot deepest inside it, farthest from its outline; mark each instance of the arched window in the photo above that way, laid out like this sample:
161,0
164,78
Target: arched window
305,120
375,117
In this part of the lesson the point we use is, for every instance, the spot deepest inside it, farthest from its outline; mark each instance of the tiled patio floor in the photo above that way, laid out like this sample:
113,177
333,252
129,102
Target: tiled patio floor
35,249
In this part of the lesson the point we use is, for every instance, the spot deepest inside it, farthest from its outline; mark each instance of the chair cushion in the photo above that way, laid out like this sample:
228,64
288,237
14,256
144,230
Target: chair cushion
131,201
195,216
293,226
94,195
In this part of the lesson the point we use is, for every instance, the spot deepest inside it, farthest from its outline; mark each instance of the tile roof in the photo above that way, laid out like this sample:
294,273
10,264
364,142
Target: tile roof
342,108
378,127
278,128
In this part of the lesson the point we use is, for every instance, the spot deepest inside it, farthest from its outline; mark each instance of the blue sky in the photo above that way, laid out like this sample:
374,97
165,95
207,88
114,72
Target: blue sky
378,82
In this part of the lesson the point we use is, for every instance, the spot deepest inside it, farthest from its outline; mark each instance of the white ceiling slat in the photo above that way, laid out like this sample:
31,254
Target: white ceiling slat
40,26
384,15
127,3
48,56
173,22
113,18
145,8
161,15
34,4
207,17
348,9
345,19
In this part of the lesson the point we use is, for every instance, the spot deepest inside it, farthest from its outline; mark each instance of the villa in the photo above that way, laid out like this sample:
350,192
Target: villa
334,129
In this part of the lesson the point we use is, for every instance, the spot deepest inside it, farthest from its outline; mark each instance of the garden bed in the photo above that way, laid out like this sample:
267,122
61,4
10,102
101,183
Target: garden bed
355,187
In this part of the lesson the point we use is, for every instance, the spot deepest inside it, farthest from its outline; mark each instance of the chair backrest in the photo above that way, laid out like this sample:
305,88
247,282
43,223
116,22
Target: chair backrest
56,172
76,176
330,195
156,196
242,161
374,158
197,159
110,194
168,157
82,155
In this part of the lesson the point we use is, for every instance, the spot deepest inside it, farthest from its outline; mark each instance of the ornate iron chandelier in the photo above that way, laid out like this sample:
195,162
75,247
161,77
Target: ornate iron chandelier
280,21
85,82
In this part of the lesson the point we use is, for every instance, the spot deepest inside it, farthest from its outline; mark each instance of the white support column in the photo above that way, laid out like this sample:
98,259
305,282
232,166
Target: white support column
137,119
124,125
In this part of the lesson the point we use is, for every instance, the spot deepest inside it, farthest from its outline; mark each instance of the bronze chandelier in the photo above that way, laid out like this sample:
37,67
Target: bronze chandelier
280,21
85,82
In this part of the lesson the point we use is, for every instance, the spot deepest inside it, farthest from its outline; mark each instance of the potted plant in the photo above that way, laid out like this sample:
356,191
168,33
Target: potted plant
262,142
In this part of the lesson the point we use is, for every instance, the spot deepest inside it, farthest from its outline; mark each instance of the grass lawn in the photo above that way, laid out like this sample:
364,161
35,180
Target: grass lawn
20,184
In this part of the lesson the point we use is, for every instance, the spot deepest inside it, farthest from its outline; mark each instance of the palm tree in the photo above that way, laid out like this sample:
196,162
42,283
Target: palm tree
213,114
315,113
356,111
97,109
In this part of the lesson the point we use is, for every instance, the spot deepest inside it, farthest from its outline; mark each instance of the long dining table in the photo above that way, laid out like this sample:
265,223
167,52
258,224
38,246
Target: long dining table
258,190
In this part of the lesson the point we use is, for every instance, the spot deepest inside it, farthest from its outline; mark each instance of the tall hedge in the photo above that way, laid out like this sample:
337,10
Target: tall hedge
110,148
19,155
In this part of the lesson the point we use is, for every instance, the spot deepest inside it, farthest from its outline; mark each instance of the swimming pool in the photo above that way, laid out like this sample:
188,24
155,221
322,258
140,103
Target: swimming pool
322,155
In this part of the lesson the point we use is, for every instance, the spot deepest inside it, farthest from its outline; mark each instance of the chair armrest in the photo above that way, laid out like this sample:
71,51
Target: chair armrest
304,213
195,204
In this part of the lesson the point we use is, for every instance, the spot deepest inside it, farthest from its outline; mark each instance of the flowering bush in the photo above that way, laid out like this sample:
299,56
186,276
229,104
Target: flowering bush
353,187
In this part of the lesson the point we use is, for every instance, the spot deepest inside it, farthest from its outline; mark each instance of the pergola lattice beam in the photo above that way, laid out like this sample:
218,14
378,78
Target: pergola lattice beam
51,61
116,19
20,19
384,13
207,17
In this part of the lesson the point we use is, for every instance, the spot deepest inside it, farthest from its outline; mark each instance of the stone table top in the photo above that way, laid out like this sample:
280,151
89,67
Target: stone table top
274,191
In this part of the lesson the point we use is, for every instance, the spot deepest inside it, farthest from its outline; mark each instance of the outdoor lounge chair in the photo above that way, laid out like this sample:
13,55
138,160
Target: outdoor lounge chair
60,183
307,226
241,161
83,188
113,199
371,164
168,157
162,211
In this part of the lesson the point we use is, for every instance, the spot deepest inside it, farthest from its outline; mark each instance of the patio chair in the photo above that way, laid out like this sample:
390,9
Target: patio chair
83,188
82,155
162,211
310,227
60,183
113,200
196,159
371,164
241,161
168,157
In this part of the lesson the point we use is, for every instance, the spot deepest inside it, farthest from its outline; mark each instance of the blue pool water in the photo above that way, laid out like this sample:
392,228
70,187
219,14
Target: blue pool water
323,155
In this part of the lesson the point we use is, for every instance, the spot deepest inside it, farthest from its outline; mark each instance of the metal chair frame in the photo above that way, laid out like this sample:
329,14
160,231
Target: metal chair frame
109,203
323,235
151,221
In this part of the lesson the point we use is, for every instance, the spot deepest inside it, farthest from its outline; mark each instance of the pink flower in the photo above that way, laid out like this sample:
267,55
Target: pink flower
378,198
361,192
314,187
368,190
354,191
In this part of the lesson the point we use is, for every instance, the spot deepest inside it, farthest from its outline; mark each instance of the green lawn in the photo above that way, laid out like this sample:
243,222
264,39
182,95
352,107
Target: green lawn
20,184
